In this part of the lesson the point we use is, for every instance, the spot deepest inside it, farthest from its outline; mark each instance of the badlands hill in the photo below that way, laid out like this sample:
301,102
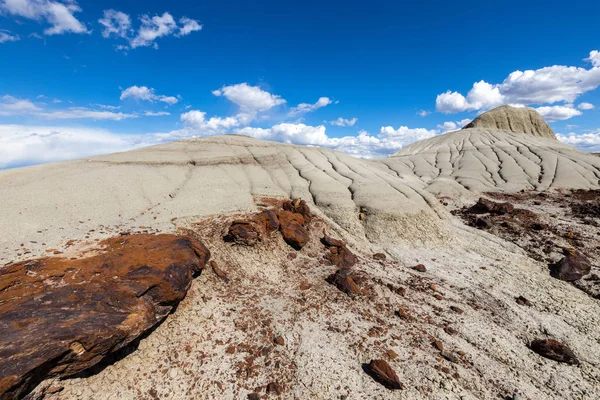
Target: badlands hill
269,296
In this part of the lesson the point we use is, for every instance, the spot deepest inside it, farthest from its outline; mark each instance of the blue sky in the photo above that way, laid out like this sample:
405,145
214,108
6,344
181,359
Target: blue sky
87,77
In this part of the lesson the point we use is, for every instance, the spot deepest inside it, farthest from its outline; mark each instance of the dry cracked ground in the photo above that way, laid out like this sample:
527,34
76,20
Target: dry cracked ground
232,268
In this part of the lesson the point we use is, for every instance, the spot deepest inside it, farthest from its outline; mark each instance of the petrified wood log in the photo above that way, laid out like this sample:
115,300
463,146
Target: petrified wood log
59,317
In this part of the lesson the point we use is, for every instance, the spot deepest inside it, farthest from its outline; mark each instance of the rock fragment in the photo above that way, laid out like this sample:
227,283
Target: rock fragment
344,282
292,229
420,268
554,350
487,206
70,314
383,373
339,254
572,267
379,256
243,232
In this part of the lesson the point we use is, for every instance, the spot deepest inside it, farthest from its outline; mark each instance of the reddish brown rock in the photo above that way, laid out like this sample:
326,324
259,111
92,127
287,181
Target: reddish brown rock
572,267
487,206
279,340
379,256
243,232
59,317
219,272
522,301
267,220
383,373
339,254
554,350
298,206
344,282
420,268
292,229
274,388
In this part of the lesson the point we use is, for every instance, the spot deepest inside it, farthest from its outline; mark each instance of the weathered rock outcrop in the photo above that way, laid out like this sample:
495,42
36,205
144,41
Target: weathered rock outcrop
60,316
513,119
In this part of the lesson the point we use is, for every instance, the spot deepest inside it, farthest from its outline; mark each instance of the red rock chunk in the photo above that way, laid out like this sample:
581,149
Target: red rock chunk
292,229
60,316
572,267
487,206
383,373
554,350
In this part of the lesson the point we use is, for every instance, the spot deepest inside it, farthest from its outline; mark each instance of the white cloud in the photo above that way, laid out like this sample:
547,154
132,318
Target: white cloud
251,99
107,107
59,14
84,113
156,114
188,26
423,113
585,106
344,122
196,121
25,145
448,126
118,24
546,85
583,141
115,23
303,108
10,105
147,94
153,28
557,113
7,36
388,141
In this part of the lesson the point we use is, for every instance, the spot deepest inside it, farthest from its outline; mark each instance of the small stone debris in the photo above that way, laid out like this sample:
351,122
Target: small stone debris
420,268
572,267
457,309
522,301
253,396
437,344
275,388
554,350
392,355
361,216
379,256
339,254
403,313
279,340
219,272
344,282
487,206
450,357
450,331
383,373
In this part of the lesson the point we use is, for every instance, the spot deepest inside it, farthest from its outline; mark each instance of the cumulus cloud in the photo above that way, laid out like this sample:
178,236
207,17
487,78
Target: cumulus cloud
388,141
548,85
585,106
115,23
10,105
250,99
59,14
118,24
7,36
557,113
303,108
584,141
423,113
188,26
146,94
344,122
196,121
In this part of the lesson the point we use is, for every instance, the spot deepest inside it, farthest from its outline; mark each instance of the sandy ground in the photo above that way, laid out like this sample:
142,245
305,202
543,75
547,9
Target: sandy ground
202,184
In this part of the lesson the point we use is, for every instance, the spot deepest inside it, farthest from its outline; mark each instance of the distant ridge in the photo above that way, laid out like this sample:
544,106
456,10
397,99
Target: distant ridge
514,119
